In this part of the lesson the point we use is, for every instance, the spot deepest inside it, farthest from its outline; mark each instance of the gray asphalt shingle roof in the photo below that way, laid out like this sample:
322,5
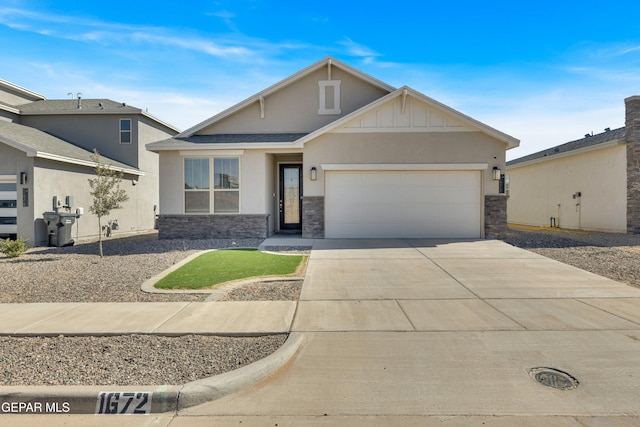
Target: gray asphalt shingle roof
600,138
40,144
71,105
241,138
244,137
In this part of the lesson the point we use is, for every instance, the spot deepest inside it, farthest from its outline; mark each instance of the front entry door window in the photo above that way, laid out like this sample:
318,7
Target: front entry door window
290,197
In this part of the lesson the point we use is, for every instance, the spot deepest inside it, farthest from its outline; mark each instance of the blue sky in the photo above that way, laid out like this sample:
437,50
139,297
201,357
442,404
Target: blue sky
545,72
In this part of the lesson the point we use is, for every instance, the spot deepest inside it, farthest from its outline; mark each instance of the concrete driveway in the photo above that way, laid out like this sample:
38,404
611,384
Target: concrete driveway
429,332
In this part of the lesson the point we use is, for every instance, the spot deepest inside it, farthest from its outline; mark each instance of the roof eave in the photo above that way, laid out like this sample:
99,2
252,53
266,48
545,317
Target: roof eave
182,146
88,163
603,145
26,92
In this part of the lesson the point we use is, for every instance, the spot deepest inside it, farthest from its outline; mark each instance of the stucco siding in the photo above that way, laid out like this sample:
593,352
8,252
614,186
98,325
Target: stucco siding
101,132
402,148
253,186
542,190
57,179
12,162
295,108
171,183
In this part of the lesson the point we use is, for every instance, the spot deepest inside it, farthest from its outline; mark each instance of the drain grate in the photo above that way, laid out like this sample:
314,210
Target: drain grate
555,378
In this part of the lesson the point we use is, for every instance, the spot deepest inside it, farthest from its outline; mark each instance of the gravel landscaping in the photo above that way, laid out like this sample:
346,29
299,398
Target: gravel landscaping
126,360
77,274
612,255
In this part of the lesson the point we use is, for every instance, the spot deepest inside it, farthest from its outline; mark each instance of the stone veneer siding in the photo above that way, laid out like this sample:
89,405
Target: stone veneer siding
495,217
192,227
313,217
632,124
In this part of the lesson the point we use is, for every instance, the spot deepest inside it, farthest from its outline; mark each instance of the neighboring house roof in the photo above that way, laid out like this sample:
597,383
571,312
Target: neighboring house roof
36,143
611,136
328,61
84,106
26,93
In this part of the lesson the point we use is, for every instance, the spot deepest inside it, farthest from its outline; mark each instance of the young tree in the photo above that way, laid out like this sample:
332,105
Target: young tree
106,192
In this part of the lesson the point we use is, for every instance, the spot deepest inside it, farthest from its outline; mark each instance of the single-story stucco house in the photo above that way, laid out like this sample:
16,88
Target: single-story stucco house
45,162
592,183
331,152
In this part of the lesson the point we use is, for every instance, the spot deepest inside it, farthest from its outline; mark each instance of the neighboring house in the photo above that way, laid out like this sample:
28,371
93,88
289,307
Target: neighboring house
590,184
45,149
332,152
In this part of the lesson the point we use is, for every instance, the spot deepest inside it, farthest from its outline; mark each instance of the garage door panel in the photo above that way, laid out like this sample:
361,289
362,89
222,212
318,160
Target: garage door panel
403,204
383,194
421,179
376,179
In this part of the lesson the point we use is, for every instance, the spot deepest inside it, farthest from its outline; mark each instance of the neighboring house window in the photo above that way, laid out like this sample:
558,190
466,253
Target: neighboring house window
8,204
329,97
200,197
125,131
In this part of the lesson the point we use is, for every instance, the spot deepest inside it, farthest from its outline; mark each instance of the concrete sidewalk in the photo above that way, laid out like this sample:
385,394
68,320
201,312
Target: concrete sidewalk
420,332
163,318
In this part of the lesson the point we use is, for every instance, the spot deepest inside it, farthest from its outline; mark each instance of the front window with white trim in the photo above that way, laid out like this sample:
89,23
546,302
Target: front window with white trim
221,197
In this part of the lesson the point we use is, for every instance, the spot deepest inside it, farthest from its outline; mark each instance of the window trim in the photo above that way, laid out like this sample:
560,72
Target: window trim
212,190
323,85
122,132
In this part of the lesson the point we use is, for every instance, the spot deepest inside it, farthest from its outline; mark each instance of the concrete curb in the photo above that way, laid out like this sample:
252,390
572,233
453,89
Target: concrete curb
160,399
208,389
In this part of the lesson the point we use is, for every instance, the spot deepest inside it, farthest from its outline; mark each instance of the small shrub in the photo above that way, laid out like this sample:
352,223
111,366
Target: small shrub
13,248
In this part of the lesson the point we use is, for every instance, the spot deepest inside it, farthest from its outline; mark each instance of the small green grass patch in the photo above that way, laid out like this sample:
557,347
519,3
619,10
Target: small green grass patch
216,267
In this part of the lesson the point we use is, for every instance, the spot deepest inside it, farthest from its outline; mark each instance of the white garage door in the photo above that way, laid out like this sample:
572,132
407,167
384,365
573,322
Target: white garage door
368,204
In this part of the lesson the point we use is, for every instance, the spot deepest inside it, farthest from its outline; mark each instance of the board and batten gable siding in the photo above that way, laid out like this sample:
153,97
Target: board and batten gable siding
539,191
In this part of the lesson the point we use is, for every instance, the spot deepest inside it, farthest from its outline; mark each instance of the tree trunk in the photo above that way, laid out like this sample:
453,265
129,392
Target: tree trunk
100,236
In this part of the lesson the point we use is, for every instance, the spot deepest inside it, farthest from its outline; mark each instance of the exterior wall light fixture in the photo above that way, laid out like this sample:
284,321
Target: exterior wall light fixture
496,173
314,173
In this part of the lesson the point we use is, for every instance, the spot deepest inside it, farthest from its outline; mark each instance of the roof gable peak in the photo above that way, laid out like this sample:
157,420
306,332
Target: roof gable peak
329,62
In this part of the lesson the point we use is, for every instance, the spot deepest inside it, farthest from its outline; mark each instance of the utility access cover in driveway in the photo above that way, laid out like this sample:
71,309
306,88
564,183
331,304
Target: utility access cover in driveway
555,378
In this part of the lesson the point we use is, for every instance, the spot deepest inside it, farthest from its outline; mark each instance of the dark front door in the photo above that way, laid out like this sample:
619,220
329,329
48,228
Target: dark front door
291,197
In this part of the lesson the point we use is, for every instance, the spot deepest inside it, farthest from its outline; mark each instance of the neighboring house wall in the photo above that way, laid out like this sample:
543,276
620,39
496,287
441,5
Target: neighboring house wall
101,132
12,162
544,189
59,179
